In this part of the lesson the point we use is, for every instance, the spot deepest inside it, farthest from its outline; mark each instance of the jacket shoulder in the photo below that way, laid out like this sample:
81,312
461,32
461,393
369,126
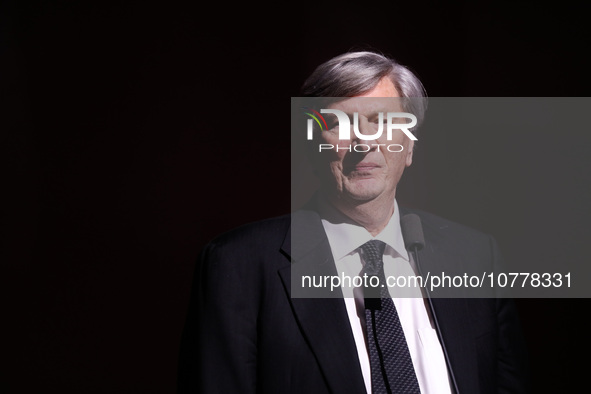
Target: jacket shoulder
263,232
249,247
450,234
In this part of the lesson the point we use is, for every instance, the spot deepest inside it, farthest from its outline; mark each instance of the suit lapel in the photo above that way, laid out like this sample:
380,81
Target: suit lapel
324,321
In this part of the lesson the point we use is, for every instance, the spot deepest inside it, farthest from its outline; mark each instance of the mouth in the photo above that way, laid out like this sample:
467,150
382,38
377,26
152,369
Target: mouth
361,168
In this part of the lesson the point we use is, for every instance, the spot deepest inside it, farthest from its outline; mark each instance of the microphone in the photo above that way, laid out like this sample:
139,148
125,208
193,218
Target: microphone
412,232
414,240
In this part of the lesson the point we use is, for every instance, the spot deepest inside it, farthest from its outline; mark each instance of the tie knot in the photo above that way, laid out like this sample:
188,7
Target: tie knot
373,252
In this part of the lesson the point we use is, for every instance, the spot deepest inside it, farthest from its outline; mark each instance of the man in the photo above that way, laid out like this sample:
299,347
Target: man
248,332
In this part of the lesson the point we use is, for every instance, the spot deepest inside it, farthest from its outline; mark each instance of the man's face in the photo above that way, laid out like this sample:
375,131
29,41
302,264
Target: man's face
364,176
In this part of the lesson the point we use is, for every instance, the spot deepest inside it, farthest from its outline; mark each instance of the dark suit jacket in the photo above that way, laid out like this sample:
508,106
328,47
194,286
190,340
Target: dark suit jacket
245,333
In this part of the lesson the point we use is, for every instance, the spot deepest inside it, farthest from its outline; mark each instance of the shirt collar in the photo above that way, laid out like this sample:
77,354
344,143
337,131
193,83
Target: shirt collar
345,236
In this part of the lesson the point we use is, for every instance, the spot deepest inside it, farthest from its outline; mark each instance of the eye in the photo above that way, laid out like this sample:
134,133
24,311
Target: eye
332,122
378,119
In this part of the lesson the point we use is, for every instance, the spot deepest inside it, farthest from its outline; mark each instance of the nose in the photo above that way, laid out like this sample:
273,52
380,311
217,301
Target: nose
364,131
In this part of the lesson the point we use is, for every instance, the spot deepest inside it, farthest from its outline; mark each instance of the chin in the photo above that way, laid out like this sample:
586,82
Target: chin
366,188
363,194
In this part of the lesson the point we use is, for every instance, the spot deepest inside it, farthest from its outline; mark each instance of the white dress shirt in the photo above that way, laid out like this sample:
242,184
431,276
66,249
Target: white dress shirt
345,238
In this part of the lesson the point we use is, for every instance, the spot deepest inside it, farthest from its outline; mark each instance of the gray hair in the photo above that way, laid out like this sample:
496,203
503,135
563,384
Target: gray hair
356,73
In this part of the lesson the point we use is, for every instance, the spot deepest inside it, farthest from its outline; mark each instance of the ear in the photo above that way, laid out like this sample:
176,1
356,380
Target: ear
409,150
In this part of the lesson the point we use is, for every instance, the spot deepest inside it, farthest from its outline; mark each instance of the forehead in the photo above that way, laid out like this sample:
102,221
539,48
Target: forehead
383,97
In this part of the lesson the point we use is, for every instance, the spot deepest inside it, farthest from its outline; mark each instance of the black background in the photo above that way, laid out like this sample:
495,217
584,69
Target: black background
133,134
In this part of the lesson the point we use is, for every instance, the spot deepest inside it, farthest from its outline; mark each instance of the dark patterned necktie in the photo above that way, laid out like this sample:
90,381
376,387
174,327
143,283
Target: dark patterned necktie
391,366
